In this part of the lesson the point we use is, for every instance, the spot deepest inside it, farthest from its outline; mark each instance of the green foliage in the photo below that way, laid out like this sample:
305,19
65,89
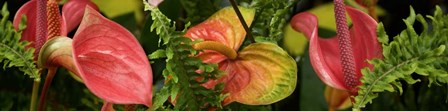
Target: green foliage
424,54
12,50
181,75
235,106
199,10
65,93
270,18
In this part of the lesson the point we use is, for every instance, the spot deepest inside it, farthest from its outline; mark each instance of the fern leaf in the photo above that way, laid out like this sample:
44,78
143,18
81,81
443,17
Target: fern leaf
271,18
409,53
12,51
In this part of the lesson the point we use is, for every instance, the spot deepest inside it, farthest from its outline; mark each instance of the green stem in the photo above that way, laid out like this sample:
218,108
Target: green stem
369,88
34,95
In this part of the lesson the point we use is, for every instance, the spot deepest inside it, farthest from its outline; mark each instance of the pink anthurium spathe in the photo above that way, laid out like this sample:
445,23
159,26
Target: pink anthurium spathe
259,74
44,22
73,10
338,61
111,61
28,9
36,31
105,55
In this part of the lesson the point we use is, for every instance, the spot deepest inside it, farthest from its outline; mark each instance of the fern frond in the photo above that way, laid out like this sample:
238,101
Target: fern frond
271,18
180,74
12,51
424,54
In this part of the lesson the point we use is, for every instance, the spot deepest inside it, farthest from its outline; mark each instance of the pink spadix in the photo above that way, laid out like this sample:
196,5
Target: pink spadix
338,60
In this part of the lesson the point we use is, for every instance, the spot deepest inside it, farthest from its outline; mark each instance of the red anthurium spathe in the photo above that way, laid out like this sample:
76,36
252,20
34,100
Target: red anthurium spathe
73,10
28,9
261,73
111,61
107,57
36,31
338,61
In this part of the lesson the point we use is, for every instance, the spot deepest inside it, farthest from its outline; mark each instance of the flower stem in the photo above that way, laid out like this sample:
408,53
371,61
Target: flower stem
240,16
67,62
50,74
34,94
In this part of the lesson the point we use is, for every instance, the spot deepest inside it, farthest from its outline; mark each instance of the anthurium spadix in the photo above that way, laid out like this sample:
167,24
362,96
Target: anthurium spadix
338,61
107,57
261,73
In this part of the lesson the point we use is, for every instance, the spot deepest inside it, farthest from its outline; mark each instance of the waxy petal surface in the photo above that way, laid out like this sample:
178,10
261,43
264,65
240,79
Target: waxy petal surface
324,53
262,73
29,10
224,27
73,11
111,61
272,73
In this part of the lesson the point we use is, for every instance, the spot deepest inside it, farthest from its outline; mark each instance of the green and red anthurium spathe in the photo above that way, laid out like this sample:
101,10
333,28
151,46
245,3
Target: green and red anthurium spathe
338,61
260,73
107,57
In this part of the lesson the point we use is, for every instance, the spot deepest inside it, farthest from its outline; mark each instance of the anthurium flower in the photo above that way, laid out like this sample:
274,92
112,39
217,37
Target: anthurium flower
104,54
107,57
338,61
36,31
111,61
261,73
